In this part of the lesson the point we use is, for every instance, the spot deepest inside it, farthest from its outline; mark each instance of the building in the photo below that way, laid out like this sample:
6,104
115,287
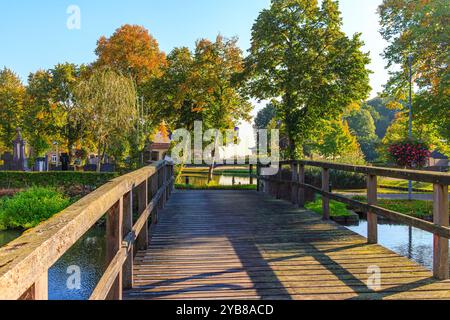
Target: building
158,146
438,161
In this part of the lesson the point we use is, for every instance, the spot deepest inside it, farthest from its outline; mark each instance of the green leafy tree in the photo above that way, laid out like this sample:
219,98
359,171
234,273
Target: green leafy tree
12,93
107,106
201,85
419,28
300,55
362,125
265,116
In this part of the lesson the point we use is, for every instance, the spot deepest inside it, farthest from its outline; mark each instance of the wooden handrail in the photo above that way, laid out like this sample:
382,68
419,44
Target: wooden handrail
25,261
439,228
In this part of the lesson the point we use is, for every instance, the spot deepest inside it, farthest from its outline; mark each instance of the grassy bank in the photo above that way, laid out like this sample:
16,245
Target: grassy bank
215,187
403,185
337,209
415,208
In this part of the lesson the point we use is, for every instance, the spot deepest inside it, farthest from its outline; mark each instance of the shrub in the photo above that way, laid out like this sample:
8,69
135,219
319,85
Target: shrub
337,209
29,208
68,180
409,154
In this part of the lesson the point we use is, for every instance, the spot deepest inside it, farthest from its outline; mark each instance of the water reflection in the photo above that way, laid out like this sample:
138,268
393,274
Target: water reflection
89,255
412,243
201,180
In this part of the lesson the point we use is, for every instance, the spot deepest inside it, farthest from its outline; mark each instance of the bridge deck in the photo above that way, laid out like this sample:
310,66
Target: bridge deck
244,245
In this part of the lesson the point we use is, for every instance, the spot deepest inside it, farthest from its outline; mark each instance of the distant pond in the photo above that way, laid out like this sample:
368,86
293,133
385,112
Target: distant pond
221,180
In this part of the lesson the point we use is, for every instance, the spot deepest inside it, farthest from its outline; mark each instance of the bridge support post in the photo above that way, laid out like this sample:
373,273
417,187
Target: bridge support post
250,172
142,239
301,190
294,185
326,188
127,270
441,218
114,237
372,218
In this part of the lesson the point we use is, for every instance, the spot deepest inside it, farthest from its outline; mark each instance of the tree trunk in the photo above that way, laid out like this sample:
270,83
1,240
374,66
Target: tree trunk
99,158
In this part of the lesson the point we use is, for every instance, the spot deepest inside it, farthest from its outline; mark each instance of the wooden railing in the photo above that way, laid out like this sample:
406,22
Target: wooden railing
24,262
439,228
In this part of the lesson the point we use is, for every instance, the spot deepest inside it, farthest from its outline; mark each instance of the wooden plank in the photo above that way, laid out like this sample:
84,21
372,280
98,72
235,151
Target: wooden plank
440,244
414,175
372,218
326,188
127,270
114,236
142,194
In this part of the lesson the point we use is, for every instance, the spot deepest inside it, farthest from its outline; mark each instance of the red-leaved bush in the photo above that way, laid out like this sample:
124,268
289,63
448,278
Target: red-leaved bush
409,154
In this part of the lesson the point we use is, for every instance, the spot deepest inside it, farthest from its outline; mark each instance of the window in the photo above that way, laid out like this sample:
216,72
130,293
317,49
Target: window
54,158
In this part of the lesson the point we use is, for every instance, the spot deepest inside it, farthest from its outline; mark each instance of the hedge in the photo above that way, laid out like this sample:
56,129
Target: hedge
64,179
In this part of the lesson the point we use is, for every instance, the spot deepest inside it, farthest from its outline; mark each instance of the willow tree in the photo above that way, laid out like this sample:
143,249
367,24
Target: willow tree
301,57
106,107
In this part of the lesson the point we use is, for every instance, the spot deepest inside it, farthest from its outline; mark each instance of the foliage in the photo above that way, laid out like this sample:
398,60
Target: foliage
265,116
299,54
333,140
409,154
12,94
414,208
363,127
55,179
29,208
107,106
337,209
131,50
419,28
215,187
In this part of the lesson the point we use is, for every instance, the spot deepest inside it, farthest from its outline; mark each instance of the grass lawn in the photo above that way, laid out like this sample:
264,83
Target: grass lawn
236,171
403,184
337,209
414,208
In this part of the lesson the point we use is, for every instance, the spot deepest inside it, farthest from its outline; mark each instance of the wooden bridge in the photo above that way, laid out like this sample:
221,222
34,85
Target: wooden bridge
233,244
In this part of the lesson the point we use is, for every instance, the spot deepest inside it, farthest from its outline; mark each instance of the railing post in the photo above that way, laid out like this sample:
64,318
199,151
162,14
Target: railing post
258,181
142,194
154,188
372,218
278,183
301,190
441,218
114,238
127,270
294,185
251,174
326,188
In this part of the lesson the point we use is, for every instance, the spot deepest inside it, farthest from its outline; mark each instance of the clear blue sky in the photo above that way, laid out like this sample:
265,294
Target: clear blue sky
34,34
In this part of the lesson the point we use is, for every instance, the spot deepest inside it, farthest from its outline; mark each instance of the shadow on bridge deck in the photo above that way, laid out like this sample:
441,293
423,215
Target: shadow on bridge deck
244,245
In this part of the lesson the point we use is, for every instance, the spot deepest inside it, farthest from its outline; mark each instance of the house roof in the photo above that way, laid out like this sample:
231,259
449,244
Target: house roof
160,146
437,155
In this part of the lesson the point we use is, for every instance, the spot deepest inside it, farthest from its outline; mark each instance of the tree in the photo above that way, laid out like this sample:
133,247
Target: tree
131,50
265,115
42,117
362,124
419,28
107,107
334,140
201,86
12,93
300,56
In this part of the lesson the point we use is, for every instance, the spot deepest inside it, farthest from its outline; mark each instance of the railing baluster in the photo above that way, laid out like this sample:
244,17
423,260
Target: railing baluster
114,238
301,190
127,270
372,218
326,187
441,218
142,240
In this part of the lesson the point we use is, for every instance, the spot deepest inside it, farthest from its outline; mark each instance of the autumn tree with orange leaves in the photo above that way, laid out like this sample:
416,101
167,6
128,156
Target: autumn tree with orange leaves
131,50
